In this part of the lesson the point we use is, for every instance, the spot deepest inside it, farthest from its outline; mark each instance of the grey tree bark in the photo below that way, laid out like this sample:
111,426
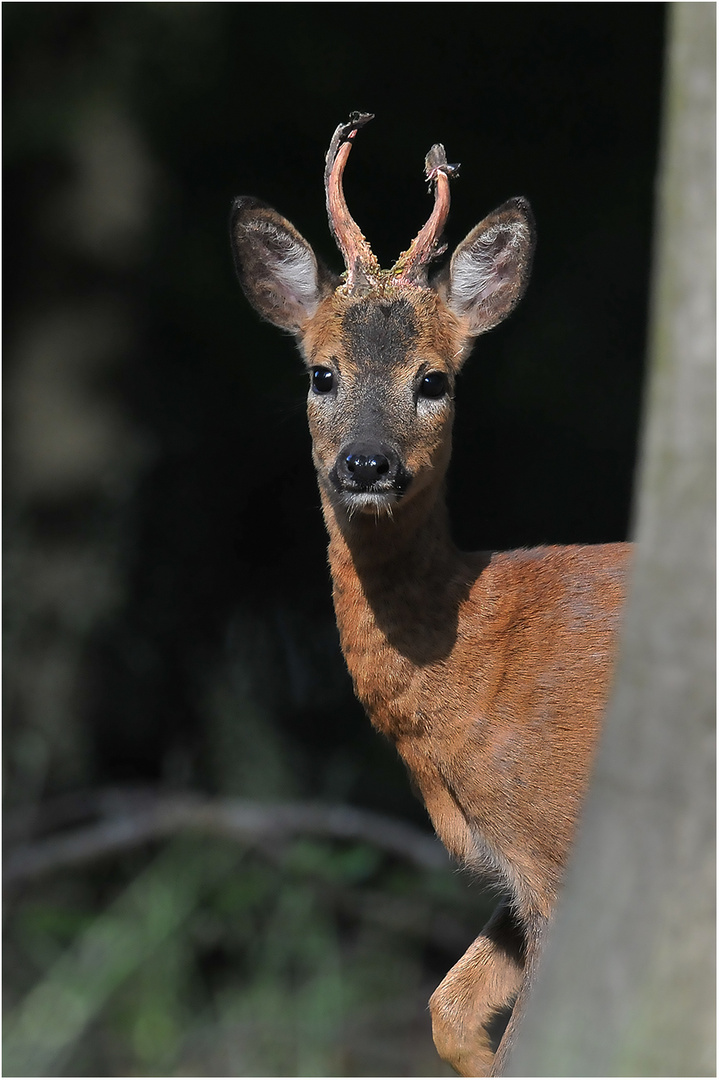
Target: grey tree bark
626,987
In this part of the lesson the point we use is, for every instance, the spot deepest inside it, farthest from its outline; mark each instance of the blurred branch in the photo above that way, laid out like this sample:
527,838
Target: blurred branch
129,818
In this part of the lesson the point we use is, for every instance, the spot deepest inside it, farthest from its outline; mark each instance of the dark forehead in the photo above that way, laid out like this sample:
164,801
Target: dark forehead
373,326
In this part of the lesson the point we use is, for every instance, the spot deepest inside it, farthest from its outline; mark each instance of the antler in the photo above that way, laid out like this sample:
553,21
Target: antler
363,270
411,266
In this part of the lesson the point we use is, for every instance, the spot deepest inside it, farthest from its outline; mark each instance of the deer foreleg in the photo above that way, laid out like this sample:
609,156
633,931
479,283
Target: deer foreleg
473,1004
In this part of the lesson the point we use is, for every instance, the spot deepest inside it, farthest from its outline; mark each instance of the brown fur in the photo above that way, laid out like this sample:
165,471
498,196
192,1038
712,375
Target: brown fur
488,671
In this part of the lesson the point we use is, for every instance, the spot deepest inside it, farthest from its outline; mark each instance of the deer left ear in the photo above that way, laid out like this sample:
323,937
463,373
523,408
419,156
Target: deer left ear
489,270
278,270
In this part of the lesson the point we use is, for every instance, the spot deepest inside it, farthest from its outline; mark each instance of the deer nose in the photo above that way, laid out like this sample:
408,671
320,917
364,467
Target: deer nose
367,467
364,465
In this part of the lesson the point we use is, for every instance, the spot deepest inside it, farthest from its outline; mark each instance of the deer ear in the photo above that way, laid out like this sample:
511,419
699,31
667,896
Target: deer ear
489,270
277,268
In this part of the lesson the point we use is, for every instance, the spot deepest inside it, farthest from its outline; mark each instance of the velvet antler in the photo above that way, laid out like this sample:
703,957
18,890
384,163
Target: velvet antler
363,269
411,266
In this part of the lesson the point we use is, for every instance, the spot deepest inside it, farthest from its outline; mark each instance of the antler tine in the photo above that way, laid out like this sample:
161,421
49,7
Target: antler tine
412,264
362,266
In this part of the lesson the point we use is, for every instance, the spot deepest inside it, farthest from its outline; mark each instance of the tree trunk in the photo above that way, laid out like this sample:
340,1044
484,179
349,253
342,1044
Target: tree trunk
626,987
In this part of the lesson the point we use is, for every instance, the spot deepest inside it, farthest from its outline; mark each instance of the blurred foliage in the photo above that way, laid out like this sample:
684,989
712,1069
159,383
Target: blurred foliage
167,604
214,961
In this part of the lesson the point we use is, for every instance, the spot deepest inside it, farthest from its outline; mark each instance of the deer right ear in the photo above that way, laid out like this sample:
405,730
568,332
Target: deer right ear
277,268
489,270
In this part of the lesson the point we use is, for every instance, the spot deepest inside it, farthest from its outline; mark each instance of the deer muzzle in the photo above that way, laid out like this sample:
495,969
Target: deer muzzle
371,469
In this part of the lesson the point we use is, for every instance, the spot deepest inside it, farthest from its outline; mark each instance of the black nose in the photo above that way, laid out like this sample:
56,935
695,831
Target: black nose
367,468
363,465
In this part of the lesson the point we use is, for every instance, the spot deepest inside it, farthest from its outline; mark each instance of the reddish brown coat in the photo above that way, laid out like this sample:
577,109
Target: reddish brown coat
489,672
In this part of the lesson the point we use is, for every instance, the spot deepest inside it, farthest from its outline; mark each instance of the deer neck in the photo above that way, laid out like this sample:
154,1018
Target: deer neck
397,585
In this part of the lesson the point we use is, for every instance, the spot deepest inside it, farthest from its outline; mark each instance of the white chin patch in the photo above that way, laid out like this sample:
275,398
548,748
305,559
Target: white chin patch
368,502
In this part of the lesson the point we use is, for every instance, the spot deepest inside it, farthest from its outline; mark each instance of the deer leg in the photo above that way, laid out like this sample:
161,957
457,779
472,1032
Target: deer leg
472,1006
507,1041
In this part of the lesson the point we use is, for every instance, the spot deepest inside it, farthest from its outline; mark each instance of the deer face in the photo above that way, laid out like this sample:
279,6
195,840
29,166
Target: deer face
380,398
382,348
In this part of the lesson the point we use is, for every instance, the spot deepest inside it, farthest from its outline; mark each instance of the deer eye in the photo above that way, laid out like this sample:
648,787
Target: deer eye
433,385
323,380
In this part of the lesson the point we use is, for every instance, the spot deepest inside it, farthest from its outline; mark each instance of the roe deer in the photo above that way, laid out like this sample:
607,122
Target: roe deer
488,671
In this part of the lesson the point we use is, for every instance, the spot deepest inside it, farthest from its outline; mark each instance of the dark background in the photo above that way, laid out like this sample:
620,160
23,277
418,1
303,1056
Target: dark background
168,616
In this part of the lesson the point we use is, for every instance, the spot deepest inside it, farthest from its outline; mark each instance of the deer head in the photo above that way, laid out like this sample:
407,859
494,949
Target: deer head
382,347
